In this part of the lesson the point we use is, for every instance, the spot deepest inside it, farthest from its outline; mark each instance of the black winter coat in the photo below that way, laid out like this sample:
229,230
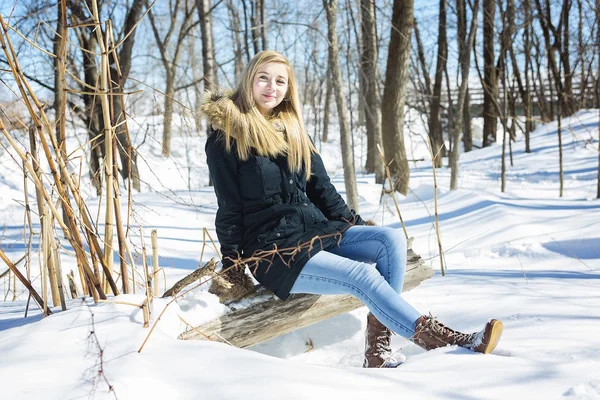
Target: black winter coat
262,205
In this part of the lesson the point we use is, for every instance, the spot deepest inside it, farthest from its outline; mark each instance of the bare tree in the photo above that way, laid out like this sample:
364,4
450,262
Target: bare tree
234,20
92,116
464,61
336,76
597,6
372,102
184,25
327,107
208,47
461,11
435,125
556,40
394,93
490,84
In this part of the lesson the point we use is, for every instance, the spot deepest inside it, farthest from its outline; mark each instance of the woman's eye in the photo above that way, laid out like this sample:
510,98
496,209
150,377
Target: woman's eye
281,82
263,77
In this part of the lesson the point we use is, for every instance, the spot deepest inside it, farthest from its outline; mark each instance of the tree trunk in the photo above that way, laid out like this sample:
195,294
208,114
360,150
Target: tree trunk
394,94
208,49
435,125
464,61
581,52
196,79
92,111
553,43
527,99
504,127
371,90
127,152
234,18
490,84
567,75
268,317
538,82
168,113
467,131
263,25
598,92
461,10
255,24
327,107
336,75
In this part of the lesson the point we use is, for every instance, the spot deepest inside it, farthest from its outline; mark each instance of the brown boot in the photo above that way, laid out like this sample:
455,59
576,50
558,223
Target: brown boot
431,334
377,345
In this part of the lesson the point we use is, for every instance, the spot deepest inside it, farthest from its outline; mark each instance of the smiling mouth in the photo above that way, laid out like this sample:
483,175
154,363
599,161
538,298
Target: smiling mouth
269,96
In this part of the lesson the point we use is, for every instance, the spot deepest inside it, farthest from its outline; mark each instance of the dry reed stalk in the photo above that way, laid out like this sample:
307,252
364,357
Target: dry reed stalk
108,138
49,261
72,286
122,240
154,236
146,312
25,283
14,288
435,202
94,259
392,192
58,268
43,277
205,233
29,225
46,243
147,275
71,234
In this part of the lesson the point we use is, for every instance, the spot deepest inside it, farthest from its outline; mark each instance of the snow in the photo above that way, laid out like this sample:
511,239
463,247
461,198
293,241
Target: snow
526,257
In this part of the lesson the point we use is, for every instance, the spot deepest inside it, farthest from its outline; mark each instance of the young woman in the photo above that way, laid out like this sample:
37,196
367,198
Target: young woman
280,214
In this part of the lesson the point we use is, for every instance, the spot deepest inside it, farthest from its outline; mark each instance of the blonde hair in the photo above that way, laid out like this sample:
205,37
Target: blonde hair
254,130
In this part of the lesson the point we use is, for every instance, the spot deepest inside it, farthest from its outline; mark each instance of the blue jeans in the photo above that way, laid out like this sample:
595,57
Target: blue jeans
347,269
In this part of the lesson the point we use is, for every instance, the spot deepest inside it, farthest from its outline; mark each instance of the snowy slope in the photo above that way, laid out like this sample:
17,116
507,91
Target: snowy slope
525,256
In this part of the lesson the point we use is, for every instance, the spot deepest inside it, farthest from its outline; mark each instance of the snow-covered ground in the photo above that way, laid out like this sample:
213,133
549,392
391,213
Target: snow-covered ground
525,256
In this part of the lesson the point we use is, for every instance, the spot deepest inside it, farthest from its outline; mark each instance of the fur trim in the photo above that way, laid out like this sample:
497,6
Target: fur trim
217,106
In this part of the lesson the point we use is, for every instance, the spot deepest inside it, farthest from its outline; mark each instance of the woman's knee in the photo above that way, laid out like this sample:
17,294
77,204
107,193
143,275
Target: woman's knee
394,239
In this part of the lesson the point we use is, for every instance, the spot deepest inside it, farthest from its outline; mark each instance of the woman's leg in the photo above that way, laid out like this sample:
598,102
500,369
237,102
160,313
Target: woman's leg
381,245
328,273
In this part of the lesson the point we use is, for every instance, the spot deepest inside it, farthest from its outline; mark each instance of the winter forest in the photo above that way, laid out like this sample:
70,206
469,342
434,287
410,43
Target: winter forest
472,127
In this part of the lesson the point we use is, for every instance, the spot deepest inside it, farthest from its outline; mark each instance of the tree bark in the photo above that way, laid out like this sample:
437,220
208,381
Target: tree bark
435,125
372,101
598,92
208,48
527,99
327,107
234,18
461,10
490,84
394,94
464,61
336,75
127,152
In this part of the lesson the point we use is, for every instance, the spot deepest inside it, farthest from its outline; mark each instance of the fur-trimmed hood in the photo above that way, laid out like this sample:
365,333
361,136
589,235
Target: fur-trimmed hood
218,106
280,134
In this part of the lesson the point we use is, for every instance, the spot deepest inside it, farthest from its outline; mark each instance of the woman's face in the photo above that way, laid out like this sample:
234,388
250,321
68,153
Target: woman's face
270,86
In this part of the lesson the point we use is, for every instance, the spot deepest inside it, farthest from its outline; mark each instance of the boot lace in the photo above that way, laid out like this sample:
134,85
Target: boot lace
453,337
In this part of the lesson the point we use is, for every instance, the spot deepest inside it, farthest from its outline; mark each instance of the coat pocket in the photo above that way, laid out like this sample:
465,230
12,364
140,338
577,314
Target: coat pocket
270,176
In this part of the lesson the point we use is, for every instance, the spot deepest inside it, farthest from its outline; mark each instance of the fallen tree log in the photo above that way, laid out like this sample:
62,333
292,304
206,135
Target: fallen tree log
261,316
